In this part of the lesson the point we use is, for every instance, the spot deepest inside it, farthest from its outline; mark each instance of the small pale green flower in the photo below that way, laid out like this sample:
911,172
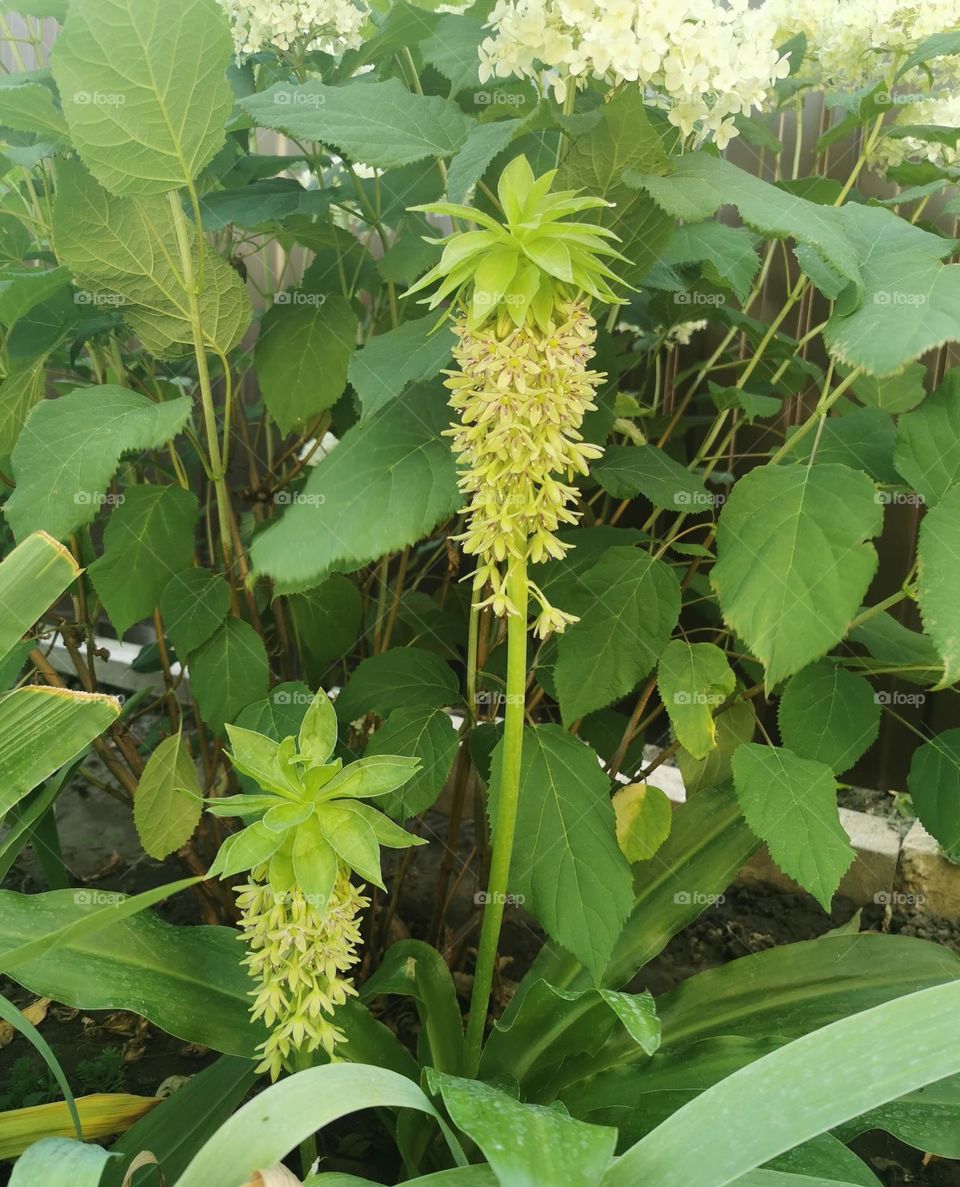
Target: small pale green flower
300,911
523,385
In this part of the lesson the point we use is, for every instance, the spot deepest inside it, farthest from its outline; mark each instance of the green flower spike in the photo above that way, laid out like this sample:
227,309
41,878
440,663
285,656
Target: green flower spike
299,911
520,298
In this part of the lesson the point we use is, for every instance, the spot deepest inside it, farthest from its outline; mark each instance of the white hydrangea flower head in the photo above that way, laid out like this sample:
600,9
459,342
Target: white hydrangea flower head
704,61
332,26
941,111
853,43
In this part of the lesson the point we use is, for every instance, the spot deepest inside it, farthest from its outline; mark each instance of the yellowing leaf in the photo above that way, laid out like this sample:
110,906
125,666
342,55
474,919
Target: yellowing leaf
644,817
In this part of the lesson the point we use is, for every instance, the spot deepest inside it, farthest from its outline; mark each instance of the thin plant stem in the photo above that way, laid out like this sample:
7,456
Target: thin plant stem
506,818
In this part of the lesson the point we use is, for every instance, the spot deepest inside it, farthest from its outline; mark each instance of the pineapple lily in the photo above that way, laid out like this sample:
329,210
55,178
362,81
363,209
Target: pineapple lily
300,910
520,293
523,385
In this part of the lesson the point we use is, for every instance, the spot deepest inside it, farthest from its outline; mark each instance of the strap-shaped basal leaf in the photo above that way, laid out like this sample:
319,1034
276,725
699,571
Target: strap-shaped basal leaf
628,605
32,577
187,980
380,124
144,89
791,804
625,471
874,1056
938,553
694,679
579,1022
724,1018
301,357
41,729
567,868
274,1122
412,353
128,247
148,538
526,1145
70,447
927,453
388,483
934,783
60,1162
830,715
167,806
793,564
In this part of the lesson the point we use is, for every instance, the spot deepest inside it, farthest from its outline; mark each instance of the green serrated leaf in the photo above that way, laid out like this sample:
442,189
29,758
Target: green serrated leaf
828,714
380,124
628,605
938,554
625,471
791,804
934,783
193,604
145,91
694,680
412,353
70,447
644,817
168,805
566,863
128,249
793,562
401,678
302,355
426,734
391,478
228,672
149,537
927,453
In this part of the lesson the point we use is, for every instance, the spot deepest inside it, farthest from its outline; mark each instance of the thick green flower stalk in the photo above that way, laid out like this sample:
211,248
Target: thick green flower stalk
523,383
520,292
300,911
